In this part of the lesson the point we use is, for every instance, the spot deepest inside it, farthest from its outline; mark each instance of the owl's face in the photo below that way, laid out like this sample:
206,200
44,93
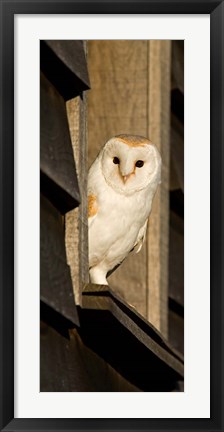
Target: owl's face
130,163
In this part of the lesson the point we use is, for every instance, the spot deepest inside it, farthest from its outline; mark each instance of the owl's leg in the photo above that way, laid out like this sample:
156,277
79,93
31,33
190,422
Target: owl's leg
98,275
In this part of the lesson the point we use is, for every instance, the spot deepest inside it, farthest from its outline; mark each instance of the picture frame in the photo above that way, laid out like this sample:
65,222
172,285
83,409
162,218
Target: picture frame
8,10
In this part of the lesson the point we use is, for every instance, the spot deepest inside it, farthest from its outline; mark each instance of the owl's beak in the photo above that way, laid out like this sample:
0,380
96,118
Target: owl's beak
126,177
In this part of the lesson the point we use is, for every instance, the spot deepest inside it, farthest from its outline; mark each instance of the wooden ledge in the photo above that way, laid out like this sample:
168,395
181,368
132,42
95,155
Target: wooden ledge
112,325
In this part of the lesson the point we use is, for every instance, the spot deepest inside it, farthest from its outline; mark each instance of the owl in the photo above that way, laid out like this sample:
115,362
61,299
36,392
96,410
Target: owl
122,182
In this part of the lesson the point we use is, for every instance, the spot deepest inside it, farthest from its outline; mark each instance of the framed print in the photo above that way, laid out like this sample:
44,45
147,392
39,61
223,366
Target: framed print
141,353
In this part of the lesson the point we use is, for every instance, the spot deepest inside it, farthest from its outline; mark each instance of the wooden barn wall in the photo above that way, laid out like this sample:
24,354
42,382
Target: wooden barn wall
130,93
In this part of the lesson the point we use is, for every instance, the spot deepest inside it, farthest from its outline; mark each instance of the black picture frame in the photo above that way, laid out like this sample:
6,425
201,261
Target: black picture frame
7,11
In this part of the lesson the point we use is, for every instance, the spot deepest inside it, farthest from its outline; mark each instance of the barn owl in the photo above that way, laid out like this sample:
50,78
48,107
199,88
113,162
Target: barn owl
122,182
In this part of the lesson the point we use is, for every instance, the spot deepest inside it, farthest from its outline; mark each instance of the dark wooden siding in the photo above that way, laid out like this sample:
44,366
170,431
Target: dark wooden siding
176,227
63,75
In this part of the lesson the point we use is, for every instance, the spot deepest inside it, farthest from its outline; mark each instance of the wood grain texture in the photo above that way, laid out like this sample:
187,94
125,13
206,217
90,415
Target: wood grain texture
83,214
58,172
159,60
76,228
55,279
117,101
64,63
72,217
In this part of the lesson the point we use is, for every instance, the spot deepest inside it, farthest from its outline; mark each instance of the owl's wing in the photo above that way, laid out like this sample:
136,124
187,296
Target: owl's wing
92,208
141,237
93,188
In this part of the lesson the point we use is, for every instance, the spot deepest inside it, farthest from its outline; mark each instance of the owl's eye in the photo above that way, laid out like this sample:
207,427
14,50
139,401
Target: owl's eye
139,164
116,161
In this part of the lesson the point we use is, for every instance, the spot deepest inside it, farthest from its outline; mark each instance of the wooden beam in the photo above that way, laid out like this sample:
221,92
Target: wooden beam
134,333
159,60
76,229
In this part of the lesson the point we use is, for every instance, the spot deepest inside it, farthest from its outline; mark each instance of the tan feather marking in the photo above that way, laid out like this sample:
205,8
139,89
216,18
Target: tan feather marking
92,205
133,140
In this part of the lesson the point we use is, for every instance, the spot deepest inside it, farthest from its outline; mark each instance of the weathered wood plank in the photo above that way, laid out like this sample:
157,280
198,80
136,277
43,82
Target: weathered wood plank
83,209
72,218
58,172
76,226
68,365
55,279
64,64
133,333
159,59
117,101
